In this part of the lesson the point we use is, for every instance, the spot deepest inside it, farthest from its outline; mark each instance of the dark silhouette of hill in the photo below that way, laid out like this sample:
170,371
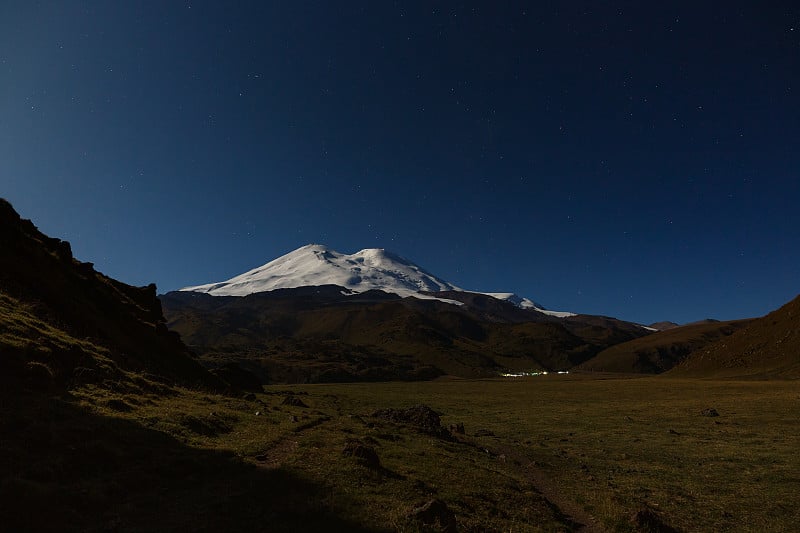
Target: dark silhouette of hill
325,333
769,347
661,351
61,321
663,326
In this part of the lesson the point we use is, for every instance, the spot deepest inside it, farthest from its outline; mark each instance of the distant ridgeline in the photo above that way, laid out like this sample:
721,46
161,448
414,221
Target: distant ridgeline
326,333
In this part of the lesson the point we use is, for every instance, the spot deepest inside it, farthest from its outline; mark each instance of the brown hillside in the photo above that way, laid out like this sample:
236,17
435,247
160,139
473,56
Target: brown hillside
317,334
660,351
665,325
769,347
61,321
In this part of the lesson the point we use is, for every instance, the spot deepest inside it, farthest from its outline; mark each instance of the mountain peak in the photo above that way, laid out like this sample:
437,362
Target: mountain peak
313,247
372,252
316,264
367,269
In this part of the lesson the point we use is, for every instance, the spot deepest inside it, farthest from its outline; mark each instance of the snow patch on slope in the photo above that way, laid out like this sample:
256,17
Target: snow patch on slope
525,303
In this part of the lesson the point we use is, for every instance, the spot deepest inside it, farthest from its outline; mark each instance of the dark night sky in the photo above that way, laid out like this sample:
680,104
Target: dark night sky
612,158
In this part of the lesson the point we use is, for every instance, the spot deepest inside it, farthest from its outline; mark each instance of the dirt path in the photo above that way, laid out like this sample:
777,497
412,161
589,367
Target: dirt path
573,512
284,447
280,450
277,453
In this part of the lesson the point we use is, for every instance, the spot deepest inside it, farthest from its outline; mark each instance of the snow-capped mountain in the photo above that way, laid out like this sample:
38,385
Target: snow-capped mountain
315,264
372,268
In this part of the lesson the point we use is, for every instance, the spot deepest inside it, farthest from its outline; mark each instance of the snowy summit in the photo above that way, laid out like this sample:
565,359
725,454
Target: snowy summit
369,269
314,264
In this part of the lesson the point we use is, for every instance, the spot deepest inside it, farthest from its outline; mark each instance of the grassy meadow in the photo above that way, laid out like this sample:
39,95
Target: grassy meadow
558,452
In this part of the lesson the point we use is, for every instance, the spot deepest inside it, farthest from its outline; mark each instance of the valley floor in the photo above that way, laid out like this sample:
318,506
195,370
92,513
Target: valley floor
545,453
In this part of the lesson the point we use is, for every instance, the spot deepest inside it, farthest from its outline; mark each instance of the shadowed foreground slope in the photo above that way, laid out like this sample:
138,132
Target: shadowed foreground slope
71,469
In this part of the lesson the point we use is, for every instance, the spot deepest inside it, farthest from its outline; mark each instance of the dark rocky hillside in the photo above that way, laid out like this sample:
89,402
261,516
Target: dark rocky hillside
62,322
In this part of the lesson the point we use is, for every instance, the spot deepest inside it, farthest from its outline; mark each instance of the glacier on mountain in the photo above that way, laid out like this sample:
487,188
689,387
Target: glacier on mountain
369,269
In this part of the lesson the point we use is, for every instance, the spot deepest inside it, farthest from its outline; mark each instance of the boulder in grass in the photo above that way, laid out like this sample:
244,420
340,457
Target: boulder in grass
648,520
294,401
366,455
238,378
435,513
457,428
421,417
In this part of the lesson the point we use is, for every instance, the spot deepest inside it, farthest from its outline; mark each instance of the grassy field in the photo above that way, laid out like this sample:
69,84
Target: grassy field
615,445
567,450
548,453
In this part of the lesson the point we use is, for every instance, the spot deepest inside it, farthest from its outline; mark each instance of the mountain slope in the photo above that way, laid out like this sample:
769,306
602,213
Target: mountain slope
369,269
768,347
660,351
61,321
321,334
664,325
